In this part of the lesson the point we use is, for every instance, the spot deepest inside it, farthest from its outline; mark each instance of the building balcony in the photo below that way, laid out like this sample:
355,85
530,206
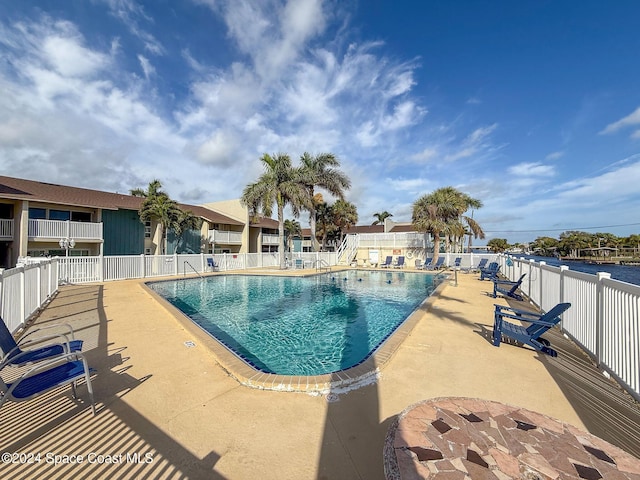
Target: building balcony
57,229
6,229
268,239
225,237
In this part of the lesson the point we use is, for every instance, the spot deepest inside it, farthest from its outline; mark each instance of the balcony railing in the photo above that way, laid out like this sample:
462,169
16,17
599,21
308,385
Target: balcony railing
225,237
6,228
56,229
268,239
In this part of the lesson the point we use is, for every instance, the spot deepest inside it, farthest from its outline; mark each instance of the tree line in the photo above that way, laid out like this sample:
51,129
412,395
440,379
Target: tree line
573,243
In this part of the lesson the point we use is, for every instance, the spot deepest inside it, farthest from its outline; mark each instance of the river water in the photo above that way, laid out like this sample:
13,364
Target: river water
624,273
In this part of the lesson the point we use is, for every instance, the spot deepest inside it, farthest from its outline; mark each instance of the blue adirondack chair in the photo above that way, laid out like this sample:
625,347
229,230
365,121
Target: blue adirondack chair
13,354
507,288
531,335
490,272
482,264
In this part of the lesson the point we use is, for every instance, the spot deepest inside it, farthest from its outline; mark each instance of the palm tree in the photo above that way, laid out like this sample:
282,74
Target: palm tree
281,185
164,211
441,212
152,190
345,215
321,171
381,217
326,227
291,229
185,221
159,207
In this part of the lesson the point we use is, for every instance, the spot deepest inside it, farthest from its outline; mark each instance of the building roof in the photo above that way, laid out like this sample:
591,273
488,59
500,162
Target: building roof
21,189
265,222
366,229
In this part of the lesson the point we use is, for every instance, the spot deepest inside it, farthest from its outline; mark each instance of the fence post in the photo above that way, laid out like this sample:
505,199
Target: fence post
101,274
540,282
175,264
202,263
600,314
39,283
22,295
143,265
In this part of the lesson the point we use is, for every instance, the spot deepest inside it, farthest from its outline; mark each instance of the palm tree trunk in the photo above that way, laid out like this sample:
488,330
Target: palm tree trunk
436,246
312,225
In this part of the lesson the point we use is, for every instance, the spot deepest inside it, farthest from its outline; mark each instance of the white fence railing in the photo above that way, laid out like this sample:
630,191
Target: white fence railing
270,239
225,237
122,267
393,240
64,229
25,289
6,228
603,317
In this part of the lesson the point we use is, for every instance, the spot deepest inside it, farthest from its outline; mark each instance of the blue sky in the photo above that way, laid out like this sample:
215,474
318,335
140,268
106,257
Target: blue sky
533,107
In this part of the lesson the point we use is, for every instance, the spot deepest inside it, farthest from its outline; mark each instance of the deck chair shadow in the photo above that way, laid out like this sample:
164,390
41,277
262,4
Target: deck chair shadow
387,263
399,263
531,335
13,353
437,265
507,288
490,272
46,375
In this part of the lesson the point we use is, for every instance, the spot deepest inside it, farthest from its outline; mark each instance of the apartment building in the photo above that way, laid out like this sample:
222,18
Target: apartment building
44,219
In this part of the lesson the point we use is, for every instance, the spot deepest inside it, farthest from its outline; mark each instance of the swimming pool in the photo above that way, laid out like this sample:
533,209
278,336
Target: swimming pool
300,325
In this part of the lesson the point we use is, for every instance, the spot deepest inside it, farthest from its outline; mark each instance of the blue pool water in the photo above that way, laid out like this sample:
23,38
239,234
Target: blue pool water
301,325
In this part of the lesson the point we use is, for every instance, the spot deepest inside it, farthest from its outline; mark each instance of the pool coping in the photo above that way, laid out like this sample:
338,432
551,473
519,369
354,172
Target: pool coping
359,375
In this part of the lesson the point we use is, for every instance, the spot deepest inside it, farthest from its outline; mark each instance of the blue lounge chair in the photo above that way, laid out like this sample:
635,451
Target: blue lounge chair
530,335
13,354
387,262
437,265
502,287
212,264
427,263
47,375
490,272
457,262
399,263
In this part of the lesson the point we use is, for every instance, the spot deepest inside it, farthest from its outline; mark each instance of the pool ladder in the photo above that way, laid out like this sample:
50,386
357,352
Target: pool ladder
322,265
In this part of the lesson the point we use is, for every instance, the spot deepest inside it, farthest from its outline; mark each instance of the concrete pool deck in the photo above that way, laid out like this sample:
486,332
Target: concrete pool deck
168,409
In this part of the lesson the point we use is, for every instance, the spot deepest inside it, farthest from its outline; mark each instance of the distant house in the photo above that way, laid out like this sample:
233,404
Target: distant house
44,219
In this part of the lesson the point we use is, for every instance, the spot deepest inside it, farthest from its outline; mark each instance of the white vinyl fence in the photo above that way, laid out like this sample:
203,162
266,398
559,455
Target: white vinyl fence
122,267
26,288
603,317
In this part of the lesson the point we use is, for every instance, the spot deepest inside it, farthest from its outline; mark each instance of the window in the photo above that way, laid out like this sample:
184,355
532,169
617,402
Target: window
147,251
59,215
37,213
81,216
147,229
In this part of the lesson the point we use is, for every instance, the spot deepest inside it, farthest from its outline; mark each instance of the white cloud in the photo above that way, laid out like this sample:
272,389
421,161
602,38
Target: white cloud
532,170
146,66
555,155
631,119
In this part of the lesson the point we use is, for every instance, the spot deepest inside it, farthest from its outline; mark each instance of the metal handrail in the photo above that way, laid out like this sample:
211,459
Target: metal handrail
186,262
322,264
